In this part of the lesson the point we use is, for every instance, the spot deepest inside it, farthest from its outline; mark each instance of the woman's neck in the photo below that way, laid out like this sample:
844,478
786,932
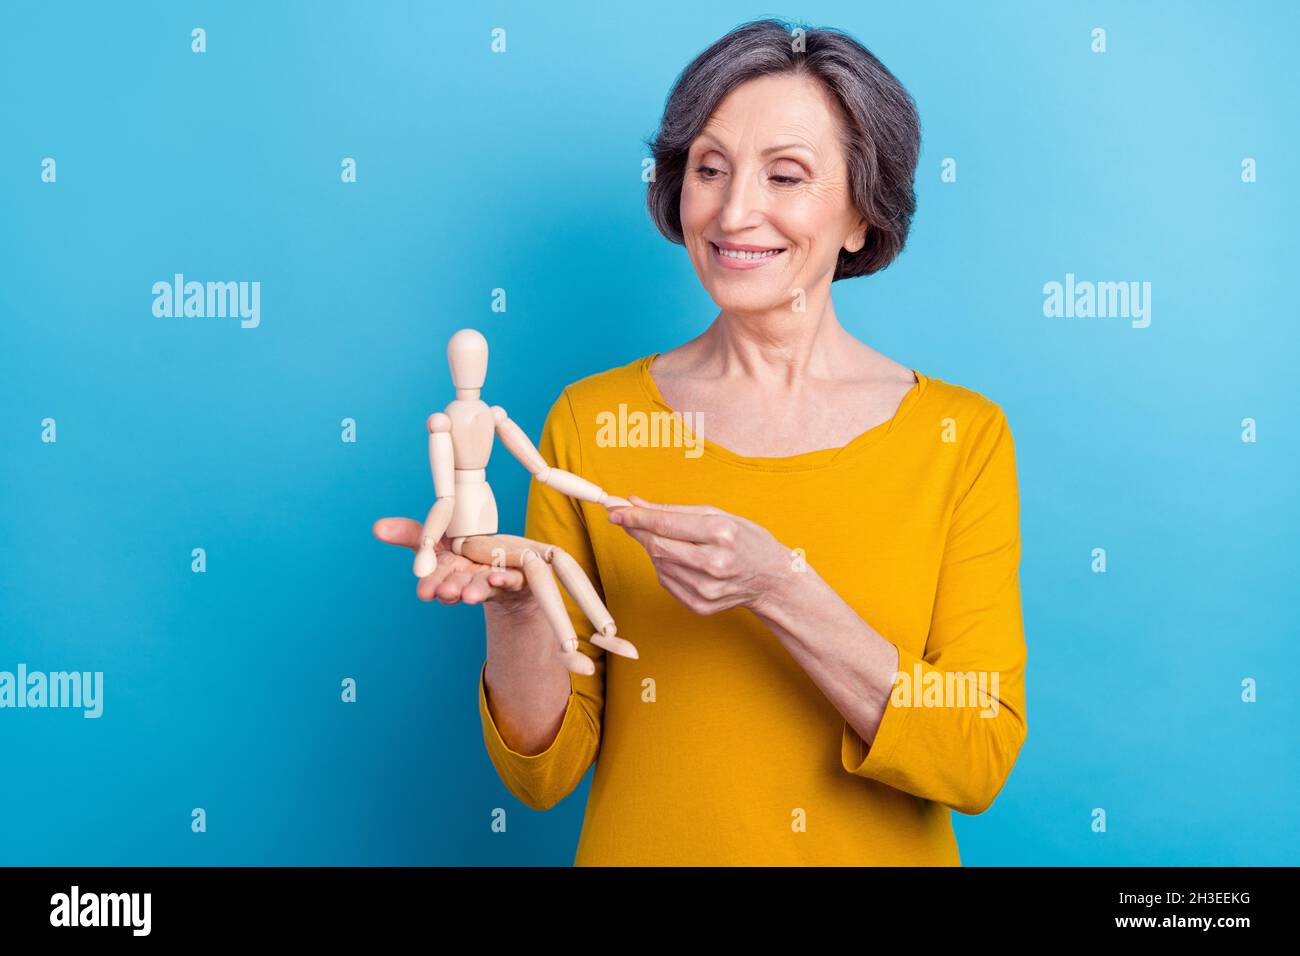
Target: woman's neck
780,348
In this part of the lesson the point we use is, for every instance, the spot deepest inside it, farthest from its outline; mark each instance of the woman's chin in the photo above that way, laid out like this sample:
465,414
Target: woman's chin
728,301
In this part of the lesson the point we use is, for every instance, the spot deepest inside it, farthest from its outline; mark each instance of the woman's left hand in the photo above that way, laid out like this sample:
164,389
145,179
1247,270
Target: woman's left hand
706,558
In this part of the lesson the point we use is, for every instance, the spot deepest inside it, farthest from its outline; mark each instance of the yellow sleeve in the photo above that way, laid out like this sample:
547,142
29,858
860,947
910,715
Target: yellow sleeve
933,747
542,780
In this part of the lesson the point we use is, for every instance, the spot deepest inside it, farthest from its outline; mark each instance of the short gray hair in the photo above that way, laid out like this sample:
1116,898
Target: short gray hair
880,127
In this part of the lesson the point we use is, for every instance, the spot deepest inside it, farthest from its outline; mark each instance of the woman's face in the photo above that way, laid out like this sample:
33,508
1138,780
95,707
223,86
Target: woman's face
767,172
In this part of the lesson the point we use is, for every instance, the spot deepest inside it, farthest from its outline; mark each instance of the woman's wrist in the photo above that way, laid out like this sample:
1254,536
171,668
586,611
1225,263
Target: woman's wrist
784,591
511,604
511,625
521,658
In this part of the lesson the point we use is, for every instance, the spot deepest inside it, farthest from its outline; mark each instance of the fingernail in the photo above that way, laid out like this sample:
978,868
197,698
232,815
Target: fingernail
616,517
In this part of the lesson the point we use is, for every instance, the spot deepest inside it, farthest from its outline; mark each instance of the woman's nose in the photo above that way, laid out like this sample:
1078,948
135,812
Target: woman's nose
742,201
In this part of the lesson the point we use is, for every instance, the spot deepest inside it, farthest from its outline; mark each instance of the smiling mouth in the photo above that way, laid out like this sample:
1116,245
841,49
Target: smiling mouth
738,256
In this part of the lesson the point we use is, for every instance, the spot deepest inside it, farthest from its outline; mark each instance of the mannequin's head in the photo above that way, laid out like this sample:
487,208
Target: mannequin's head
467,355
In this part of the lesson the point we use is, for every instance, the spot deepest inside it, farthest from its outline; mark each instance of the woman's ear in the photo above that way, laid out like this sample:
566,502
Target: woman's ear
858,238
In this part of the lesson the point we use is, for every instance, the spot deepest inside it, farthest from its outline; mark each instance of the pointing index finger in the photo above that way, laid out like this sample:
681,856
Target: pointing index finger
683,526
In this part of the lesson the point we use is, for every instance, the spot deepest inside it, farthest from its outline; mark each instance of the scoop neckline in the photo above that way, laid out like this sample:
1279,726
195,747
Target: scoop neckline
804,461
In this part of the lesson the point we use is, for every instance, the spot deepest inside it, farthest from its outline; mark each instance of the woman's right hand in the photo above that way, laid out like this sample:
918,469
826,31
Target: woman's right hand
455,578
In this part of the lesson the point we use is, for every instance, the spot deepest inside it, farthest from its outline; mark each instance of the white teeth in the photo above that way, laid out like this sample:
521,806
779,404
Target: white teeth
732,254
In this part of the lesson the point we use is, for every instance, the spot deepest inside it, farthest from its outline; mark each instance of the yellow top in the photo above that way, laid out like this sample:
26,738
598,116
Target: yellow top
715,747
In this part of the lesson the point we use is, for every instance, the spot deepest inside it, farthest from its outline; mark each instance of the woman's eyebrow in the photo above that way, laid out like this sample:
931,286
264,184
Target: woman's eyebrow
790,145
709,138
775,148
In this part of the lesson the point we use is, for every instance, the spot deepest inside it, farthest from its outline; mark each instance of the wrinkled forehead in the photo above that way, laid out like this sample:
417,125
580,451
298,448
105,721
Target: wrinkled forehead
773,110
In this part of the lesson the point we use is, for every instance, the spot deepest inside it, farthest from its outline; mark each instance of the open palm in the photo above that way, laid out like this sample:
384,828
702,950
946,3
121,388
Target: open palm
455,578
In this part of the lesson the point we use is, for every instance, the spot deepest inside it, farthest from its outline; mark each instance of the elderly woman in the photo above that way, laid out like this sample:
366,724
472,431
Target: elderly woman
828,616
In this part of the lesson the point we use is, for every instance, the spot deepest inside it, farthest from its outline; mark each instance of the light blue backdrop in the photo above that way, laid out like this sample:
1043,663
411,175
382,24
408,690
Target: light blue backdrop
522,170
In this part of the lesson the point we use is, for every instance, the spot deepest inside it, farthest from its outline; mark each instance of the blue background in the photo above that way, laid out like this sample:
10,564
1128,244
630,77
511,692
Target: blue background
522,171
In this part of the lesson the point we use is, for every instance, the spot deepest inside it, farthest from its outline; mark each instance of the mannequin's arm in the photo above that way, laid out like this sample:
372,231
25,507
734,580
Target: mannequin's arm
565,482
442,459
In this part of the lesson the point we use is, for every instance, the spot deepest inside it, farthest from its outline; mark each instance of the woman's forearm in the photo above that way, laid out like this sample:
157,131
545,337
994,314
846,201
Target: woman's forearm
527,686
849,660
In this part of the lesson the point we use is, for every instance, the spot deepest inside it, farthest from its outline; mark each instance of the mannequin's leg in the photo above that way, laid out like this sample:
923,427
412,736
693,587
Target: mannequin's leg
584,593
512,548
500,550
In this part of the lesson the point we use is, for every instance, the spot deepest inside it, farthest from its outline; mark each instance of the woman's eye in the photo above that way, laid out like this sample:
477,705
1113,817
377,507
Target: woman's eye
710,173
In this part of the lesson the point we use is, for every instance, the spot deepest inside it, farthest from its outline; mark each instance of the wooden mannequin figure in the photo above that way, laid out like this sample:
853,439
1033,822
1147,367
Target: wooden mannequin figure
460,443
